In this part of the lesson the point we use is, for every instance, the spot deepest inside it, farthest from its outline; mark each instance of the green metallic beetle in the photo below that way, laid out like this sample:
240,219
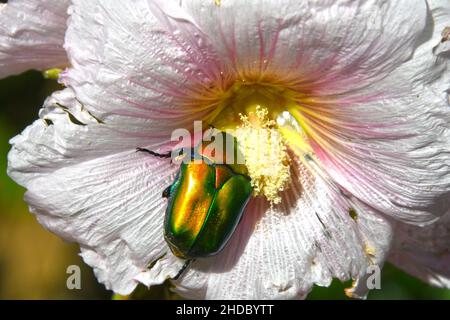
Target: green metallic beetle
205,203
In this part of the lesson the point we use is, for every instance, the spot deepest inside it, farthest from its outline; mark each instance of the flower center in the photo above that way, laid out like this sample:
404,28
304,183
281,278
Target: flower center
265,154
258,116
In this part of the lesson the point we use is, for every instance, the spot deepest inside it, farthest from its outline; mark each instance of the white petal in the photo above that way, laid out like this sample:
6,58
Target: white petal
85,184
393,155
424,252
280,253
166,267
440,11
32,35
317,45
144,60
430,63
388,145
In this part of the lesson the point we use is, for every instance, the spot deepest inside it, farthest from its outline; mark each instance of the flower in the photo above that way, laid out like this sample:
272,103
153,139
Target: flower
32,35
359,94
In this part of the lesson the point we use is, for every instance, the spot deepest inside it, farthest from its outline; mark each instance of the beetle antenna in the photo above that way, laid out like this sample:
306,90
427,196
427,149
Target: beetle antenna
183,268
153,153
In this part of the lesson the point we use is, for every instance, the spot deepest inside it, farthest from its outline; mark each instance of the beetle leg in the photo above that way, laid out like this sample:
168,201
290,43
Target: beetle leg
166,192
153,153
183,268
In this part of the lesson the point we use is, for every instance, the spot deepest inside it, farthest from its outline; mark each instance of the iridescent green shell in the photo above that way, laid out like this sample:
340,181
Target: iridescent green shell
206,203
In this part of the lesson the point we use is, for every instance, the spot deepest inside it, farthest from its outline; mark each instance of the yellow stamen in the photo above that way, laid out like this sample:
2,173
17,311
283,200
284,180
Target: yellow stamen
265,154
265,119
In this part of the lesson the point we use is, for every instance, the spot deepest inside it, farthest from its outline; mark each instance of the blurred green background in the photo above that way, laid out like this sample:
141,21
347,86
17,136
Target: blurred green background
33,261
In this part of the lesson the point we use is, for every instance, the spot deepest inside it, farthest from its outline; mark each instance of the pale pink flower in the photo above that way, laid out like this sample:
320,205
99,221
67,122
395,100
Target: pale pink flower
32,35
370,166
